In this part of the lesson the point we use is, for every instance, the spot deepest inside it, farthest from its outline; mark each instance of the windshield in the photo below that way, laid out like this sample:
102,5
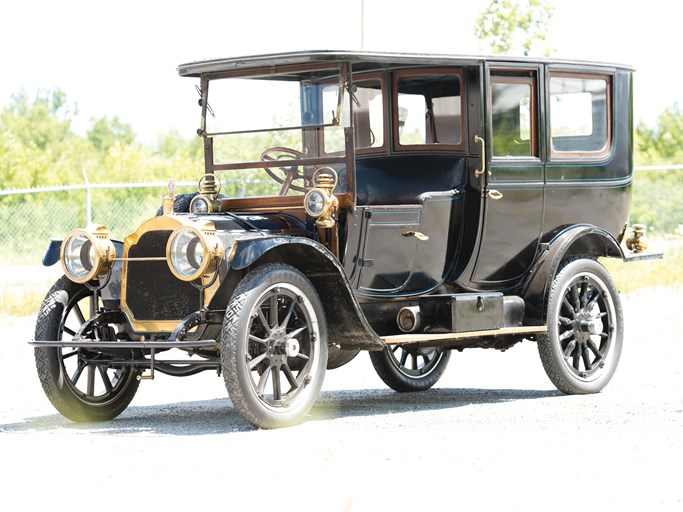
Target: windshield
270,134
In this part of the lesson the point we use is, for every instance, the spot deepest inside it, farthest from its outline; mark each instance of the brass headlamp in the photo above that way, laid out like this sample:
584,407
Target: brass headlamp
320,202
87,253
206,201
194,251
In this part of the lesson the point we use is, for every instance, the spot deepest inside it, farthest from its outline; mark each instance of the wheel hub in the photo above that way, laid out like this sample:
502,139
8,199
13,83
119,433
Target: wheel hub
280,345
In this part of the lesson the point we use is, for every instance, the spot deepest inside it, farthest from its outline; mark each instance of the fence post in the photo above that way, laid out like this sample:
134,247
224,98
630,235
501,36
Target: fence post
88,203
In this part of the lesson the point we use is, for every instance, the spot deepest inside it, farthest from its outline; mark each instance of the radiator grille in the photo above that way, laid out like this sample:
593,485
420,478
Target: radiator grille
153,293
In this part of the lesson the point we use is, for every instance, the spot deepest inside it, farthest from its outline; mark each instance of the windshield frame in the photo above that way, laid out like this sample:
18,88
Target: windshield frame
323,73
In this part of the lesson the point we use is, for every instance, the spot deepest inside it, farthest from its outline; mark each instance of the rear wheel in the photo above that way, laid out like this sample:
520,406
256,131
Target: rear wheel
337,356
581,349
83,385
274,346
410,369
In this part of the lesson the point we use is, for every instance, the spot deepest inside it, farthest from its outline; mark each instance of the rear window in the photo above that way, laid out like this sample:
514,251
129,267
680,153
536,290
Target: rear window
580,115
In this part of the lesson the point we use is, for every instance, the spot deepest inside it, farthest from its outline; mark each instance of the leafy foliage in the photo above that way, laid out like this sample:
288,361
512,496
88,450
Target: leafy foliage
514,26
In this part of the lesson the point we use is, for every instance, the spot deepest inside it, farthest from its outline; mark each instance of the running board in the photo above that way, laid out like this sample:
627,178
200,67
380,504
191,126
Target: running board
401,339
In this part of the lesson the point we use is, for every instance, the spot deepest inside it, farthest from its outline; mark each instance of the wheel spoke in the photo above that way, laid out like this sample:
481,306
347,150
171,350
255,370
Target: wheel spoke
577,357
273,311
566,334
575,297
290,376
264,322
295,333
257,340
583,294
263,381
564,320
69,331
569,349
404,357
105,378
79,313
290,310
586,358
570,309
596,296
91,380
277,392
415,361
79,370
257,360
303,356
70,354
595,350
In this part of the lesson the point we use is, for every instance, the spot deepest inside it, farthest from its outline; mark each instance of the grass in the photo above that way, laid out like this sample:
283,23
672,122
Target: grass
667,272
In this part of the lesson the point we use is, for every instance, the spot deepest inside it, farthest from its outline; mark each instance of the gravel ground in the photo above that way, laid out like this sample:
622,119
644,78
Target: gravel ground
493,433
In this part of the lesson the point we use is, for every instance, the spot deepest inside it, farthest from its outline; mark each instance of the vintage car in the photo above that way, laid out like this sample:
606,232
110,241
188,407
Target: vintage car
402,204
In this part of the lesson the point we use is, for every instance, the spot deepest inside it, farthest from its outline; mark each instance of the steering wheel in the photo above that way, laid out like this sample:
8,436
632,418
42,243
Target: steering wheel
291,173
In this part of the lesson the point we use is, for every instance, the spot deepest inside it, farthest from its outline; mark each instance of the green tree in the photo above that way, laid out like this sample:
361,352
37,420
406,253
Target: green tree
37,144
105,133
514,26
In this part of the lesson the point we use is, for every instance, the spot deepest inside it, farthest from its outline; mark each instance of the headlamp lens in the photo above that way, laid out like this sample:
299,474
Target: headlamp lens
187,254
315,203
79,256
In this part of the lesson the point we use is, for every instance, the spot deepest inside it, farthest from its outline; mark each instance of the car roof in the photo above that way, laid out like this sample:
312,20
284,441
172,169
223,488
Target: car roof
366,61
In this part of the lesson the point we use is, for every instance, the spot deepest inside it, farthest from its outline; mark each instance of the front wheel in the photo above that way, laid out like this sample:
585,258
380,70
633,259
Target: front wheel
407,369
274,346
82,384
581,349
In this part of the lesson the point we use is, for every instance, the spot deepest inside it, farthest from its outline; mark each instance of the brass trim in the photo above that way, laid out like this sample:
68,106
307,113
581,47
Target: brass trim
399,339
478,172
160,223
212,248
105,253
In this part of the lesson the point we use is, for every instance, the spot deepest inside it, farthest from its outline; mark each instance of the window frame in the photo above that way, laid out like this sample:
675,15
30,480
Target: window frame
603,152
396,76
513,76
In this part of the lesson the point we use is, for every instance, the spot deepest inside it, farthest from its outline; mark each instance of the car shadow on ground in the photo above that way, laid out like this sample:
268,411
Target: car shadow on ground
218,416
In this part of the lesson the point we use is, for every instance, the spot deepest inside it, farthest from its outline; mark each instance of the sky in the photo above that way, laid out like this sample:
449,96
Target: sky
120,58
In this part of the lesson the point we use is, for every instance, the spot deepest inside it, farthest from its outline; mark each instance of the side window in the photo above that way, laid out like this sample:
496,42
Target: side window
579,115
513,116
428,109
368,116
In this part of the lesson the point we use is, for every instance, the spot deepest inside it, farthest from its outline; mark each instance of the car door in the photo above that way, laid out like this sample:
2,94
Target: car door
512,182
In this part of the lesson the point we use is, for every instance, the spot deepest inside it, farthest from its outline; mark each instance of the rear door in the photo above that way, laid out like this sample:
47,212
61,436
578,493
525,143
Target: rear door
513,188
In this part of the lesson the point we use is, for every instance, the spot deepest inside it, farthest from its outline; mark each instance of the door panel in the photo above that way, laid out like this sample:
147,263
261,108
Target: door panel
513,193
387,254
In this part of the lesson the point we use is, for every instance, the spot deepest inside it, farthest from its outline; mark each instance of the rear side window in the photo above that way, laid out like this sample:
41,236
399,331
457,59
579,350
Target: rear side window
513,115
428,109
580,123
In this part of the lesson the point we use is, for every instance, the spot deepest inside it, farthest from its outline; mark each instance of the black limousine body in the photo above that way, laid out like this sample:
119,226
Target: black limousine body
400,204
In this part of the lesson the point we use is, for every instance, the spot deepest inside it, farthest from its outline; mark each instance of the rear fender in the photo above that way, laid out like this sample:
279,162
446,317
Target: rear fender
578,240
346,323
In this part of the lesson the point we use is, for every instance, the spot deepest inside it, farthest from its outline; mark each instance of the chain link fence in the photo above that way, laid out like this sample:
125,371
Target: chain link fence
29,218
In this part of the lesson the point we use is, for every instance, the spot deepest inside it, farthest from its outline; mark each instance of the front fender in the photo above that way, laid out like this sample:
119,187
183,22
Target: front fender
346,322
578,240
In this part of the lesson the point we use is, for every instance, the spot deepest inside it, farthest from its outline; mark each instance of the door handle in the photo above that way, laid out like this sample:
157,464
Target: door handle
494,194
416,234
477,172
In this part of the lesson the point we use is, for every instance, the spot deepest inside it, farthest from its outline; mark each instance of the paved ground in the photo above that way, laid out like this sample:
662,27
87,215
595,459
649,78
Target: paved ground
493,433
